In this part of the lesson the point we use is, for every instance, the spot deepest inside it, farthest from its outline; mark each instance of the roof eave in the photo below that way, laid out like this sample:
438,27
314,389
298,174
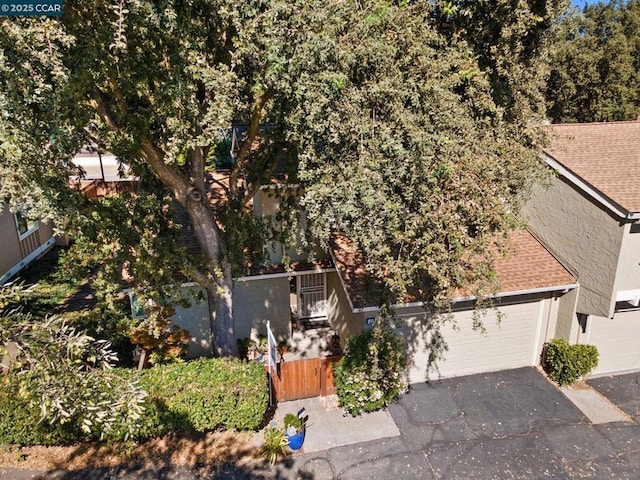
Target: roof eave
513,293
590,190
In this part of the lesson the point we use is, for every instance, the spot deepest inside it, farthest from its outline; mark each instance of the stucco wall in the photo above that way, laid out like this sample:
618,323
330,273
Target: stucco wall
567,322
628,274
583,236
339,312
195,319
257,300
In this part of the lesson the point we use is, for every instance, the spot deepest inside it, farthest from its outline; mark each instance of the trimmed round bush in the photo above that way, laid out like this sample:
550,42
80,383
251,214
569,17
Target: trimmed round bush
565,363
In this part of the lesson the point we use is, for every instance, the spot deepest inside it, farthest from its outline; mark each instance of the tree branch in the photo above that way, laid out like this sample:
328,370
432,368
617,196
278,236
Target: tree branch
197,159
252,133
254,186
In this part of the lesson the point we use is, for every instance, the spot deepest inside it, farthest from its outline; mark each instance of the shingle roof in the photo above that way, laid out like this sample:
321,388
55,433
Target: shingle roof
604,155
528,265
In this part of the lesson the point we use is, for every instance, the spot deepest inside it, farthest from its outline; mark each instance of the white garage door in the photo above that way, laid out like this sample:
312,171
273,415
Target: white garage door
514,342
618,341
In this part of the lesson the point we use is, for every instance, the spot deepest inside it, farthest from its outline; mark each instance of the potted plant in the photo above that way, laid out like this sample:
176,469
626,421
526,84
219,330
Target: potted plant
295,428
274,443
262,346
284,346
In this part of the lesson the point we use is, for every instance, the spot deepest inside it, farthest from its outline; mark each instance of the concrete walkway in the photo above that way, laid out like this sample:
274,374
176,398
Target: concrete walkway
328,427
597,408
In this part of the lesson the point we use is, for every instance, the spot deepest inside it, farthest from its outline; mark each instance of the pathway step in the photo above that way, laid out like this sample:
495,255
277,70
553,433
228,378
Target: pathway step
594,406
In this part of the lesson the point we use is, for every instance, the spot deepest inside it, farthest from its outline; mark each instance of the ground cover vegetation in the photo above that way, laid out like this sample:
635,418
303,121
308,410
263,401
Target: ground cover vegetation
594,76
411,127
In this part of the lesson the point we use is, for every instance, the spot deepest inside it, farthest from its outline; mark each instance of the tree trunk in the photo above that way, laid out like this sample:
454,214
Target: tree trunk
221,308
219,282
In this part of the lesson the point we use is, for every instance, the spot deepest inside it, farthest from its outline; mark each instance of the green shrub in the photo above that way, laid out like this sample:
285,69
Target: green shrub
293,424
371,373
566,363
20,423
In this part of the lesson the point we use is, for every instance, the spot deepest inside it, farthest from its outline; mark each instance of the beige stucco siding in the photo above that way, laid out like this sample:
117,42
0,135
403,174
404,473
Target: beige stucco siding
617,340
339,312
567,322
628,274
195,319
257,300
583,236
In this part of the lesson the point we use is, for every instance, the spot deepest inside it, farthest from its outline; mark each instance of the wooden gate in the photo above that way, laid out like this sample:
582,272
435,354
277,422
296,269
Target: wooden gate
304,378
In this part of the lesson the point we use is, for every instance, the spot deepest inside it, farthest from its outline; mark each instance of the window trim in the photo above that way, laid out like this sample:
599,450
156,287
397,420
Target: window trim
30,229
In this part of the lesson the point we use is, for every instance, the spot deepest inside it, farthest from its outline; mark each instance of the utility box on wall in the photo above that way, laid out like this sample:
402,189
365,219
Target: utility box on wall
369,323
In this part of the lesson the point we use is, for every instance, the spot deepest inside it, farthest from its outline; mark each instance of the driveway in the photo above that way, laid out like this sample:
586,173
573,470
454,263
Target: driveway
506,425
621,390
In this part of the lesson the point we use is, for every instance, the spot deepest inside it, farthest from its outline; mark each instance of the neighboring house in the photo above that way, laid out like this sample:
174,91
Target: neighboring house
23,239
589,217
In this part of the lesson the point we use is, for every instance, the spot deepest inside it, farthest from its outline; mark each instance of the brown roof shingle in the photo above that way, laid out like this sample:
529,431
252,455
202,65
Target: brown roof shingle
527,265
604,155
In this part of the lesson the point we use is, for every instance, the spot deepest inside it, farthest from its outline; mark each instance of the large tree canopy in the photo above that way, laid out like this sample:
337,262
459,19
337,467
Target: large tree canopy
596,63
411,127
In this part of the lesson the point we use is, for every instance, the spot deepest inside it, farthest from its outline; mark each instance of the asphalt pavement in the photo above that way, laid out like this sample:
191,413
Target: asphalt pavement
512,424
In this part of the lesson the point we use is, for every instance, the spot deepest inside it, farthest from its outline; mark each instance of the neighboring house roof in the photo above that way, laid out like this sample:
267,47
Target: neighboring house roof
527,267
602,159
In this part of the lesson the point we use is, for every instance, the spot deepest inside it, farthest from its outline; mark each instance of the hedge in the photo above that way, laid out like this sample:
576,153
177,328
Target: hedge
195,396
205,394
565,363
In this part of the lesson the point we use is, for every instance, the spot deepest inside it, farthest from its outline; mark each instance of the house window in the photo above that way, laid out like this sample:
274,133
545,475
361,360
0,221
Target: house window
312,296
25,225
137,306
635,228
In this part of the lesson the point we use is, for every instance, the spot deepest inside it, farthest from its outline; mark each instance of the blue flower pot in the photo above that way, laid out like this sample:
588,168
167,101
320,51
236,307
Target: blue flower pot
296,441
